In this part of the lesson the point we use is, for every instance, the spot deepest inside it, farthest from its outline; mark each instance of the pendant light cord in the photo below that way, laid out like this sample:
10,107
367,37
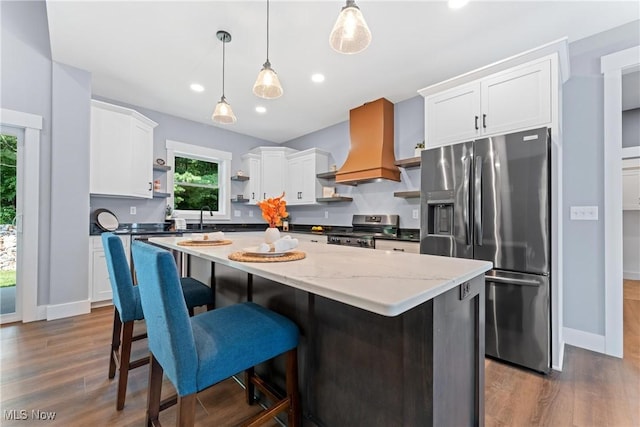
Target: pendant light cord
267,30
224,42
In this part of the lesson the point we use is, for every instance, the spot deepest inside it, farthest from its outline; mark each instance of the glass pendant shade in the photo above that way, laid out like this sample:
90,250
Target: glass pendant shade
223,113
350,33
267,84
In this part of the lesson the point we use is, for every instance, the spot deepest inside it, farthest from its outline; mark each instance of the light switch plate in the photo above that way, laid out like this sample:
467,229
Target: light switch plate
132,210
415,213
251,213
584,213
237,213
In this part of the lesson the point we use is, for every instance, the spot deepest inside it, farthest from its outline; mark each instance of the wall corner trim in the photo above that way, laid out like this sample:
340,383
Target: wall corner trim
582,339
60,311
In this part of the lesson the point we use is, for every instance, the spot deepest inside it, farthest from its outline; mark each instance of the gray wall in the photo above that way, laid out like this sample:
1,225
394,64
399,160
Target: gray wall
369,198
631,128
187,131
69,252
26,87
583,173
631,244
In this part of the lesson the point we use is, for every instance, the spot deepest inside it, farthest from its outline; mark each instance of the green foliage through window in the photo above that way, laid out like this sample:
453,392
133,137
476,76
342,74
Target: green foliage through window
8,169
195,184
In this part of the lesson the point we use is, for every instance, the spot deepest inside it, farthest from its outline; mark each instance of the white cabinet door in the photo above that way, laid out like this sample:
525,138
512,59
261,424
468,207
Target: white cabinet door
110,133
99,283
295,184
121,152
273,172
517,99
141,160
303,186
251,164
631,189
101,287
453,115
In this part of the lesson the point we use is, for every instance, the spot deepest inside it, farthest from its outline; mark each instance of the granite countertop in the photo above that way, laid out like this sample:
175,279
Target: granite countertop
382,282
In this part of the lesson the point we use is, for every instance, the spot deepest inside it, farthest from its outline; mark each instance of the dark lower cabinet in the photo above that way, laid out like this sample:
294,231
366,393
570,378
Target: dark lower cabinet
422,368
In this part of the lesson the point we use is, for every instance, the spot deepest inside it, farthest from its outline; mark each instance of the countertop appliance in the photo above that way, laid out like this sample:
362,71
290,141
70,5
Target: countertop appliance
489,199
365,228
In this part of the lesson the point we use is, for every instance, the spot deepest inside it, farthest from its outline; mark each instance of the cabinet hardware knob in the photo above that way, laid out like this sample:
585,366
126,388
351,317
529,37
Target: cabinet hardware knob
484,121
398,249
477,123
151,186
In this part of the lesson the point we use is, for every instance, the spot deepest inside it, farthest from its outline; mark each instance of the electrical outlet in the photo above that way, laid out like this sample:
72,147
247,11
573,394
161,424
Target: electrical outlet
237,213
465,290
251,213
415,213
584,213
326,214
132,210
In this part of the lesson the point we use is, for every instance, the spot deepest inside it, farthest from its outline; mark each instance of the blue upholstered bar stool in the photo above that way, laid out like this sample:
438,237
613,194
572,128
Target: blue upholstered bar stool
126,299
198,352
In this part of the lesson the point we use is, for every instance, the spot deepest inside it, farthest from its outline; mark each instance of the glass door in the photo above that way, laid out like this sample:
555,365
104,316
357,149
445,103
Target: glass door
9,295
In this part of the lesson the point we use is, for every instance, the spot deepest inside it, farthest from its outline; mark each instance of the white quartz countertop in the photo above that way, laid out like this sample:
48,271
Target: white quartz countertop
384,282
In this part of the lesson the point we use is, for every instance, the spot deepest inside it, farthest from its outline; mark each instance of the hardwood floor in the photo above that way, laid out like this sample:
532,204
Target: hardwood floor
62,366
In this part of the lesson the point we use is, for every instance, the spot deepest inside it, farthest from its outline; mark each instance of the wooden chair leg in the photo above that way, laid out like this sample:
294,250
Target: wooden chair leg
249,390
125,356
186,410
115,343
294,412
154,392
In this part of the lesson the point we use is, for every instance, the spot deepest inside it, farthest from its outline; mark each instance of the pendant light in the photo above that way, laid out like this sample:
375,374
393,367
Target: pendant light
267,84
350,33
223,113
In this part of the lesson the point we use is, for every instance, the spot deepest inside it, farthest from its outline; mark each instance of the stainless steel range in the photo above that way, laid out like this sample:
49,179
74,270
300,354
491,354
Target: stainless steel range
364,230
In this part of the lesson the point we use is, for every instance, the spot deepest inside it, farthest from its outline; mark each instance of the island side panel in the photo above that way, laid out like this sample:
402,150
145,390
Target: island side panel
458,355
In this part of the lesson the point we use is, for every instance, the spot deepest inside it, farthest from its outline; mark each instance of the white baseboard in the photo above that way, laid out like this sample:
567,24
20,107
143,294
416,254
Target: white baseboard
560,362
69,309
631,275
582,339
41,312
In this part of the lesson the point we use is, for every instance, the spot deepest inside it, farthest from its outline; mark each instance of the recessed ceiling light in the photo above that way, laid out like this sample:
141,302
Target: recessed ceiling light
260,109
457,4
197,87
317,78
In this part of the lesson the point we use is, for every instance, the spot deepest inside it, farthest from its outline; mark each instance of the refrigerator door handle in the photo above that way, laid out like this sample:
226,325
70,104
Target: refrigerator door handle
465,211
512,281
477,205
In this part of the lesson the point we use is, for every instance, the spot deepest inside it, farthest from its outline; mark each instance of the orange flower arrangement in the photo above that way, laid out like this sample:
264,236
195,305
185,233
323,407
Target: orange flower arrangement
273,210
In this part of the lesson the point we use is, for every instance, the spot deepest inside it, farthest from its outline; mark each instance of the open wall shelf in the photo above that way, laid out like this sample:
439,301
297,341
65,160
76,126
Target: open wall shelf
334,199
410,194
411,162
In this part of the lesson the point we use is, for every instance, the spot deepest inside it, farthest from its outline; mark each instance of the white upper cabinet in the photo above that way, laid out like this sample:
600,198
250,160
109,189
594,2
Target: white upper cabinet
251,164
121,151
303,186
267,167
508,101
453,115
273,173
516,99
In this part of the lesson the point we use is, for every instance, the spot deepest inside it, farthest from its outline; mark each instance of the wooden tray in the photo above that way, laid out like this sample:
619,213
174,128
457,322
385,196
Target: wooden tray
204,242
289,256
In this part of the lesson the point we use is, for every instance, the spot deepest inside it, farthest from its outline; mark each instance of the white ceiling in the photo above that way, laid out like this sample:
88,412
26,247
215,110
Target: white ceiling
147,53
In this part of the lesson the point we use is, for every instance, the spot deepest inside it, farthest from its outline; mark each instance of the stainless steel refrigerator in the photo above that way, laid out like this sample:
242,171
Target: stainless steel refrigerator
490,199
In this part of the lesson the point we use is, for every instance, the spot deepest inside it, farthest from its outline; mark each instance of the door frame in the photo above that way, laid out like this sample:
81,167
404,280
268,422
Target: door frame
28,220
612,67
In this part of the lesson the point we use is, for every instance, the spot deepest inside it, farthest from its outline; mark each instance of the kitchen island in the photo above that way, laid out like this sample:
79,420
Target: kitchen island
387,338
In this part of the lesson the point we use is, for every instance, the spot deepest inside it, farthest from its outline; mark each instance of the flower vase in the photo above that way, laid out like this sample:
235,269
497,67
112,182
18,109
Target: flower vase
271,234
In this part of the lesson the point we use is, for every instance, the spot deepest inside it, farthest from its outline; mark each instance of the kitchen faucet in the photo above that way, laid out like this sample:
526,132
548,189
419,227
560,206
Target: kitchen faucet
210,213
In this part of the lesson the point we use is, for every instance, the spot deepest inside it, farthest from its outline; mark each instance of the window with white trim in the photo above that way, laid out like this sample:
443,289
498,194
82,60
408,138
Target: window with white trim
199,180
